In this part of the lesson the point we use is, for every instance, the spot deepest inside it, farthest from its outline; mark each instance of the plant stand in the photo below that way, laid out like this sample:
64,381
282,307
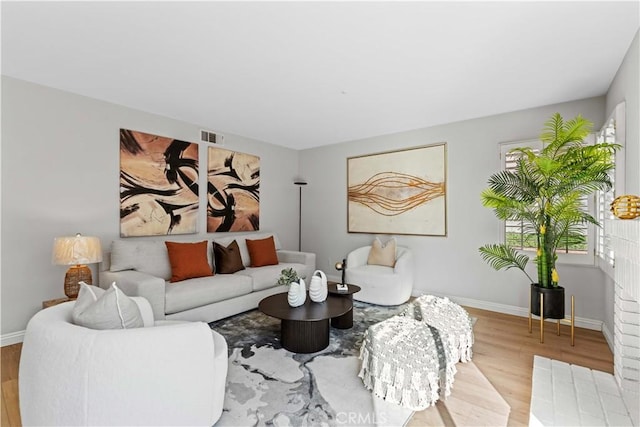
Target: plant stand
570,320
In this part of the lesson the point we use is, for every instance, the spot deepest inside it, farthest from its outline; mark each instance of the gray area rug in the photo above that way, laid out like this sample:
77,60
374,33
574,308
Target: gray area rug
268,385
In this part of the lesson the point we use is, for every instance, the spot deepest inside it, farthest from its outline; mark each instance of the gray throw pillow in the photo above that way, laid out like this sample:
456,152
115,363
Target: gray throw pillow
96,308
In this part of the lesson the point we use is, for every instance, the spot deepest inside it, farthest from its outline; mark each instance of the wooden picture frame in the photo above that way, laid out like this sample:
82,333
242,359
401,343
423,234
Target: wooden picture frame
233,191
398,192
158,185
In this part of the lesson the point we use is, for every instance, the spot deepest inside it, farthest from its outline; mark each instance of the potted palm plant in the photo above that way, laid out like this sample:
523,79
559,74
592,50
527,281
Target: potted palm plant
544,192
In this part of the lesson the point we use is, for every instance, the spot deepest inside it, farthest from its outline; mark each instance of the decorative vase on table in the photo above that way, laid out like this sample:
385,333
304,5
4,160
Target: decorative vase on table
297,294
318,290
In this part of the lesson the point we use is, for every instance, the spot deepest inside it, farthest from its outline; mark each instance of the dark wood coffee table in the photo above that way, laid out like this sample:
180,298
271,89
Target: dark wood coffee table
304,329
346,320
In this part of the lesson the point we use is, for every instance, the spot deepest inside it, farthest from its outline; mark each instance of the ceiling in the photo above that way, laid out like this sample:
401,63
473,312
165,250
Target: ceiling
306,74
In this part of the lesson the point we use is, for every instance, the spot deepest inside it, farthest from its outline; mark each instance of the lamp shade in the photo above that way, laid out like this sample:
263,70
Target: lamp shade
76,250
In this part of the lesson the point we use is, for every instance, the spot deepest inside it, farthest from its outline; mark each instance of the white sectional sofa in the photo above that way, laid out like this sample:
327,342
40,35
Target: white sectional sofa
140,267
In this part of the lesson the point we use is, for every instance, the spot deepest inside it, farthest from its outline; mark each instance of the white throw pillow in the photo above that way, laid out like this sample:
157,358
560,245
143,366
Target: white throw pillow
380,254
96,308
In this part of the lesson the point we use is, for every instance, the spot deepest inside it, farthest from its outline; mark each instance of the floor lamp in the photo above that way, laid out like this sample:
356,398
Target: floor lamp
300,183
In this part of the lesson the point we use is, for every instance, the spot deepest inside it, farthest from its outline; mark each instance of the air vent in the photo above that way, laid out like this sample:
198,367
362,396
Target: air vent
208,136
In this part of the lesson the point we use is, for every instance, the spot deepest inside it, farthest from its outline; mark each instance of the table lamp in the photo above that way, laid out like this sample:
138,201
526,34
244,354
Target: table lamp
342,266
76,251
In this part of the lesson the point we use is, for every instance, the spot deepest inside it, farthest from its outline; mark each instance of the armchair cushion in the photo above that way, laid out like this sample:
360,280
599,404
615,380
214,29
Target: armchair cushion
382,254
96,308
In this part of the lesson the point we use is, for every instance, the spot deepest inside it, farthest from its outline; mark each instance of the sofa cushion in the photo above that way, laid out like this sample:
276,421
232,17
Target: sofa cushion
188,260
267,276
262,252
227,259
201,291
242,243
96,308
146,256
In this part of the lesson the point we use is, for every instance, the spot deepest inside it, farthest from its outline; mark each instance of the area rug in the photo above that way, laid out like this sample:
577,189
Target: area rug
268,385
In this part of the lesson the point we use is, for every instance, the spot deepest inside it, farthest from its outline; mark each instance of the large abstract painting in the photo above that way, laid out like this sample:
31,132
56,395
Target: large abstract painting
233,191
399,192
158,185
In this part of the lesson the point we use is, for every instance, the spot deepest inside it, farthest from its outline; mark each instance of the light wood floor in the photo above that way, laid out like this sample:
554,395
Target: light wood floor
503,351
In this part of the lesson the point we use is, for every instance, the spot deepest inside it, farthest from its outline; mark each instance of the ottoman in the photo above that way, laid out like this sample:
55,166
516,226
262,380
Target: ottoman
405,361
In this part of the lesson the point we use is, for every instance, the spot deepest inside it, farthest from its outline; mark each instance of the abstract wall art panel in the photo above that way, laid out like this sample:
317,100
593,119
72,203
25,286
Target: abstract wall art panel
399,192
233,191
158,185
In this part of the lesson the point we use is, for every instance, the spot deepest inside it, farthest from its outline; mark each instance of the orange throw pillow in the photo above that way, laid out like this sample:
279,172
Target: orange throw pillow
262,252
188,260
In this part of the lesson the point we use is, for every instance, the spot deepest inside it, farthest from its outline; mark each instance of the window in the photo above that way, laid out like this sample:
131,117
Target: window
518,234
522,236
612,132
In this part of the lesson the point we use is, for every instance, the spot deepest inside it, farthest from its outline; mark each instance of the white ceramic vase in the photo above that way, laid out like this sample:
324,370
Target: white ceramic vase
318,287
297,293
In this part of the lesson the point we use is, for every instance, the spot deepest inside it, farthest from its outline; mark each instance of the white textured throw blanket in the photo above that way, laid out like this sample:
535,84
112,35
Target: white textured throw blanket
410,359
452,321
405,362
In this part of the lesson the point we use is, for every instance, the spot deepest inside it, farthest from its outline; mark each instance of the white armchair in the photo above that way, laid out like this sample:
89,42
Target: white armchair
379,284
166,373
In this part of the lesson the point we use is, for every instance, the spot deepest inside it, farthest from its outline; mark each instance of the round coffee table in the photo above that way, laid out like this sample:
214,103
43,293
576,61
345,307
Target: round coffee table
346,320
304,329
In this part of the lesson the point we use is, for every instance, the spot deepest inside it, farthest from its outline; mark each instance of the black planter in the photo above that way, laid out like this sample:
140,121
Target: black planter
553,301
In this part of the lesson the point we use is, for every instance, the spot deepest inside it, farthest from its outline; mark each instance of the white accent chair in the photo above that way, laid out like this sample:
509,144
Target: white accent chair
166,373
379,284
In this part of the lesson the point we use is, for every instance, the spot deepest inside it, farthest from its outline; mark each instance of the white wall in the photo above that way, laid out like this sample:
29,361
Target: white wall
60,175
446,265
626,87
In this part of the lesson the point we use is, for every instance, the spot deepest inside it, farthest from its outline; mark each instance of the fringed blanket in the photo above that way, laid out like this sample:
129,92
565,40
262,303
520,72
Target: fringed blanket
453,322
404,361
410,358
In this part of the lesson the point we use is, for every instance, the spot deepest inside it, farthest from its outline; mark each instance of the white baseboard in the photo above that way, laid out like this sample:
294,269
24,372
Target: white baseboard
581,322
11,338
607,336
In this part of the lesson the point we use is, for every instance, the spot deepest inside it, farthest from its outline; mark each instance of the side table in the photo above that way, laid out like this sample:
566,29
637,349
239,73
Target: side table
346,320
52,302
